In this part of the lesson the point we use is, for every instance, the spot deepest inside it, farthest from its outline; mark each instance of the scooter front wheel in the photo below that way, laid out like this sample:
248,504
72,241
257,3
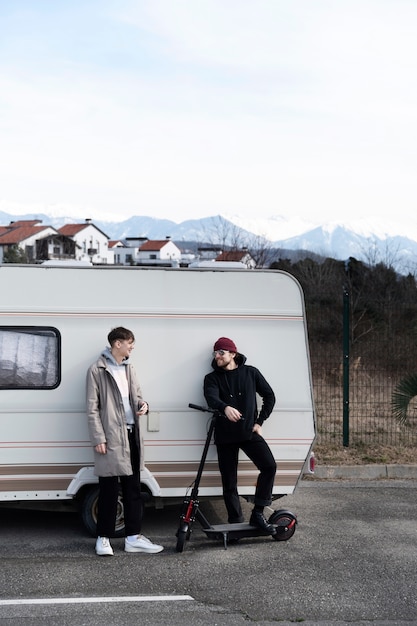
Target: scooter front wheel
285,523
183,533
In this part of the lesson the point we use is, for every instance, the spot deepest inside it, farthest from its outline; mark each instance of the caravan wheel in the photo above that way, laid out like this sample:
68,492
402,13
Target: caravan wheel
89,512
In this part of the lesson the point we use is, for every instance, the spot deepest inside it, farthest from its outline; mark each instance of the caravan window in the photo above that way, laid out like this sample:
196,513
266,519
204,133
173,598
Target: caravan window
30,357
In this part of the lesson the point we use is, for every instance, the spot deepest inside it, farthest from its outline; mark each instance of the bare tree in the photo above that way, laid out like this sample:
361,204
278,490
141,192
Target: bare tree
385,252
261,250
223,234
229,237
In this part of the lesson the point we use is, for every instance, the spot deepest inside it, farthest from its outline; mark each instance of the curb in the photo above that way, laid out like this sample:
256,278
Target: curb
365,472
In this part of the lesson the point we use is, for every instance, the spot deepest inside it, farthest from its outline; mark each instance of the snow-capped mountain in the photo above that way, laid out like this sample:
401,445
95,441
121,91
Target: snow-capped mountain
341,243
280,228
371,240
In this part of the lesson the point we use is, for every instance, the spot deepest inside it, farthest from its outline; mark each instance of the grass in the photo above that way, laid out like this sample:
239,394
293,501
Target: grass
375,435
364,454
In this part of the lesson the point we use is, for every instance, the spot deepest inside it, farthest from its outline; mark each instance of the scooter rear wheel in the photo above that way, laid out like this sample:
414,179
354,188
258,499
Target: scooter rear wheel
285,522
183,533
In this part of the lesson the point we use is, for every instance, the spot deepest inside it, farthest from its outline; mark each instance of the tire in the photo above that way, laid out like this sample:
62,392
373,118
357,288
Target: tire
183,534
286,523
89,512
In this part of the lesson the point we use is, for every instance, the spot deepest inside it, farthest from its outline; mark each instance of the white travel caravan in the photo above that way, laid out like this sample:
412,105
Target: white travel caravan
54,323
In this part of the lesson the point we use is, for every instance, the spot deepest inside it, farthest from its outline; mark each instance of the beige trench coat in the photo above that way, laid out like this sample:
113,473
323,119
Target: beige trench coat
106,419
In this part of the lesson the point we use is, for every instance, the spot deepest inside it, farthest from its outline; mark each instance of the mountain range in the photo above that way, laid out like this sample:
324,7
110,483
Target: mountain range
371,240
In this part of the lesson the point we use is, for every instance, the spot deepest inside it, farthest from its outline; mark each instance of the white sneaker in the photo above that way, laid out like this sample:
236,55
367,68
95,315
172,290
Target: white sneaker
142,544
103,547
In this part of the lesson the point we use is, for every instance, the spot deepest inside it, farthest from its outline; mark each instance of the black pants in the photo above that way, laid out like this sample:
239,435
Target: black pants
132,502
258,451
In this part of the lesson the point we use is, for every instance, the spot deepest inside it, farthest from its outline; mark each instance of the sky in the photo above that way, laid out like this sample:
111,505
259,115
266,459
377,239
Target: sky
183,109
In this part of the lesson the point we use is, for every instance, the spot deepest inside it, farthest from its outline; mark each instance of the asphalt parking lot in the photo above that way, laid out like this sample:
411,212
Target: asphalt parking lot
351,560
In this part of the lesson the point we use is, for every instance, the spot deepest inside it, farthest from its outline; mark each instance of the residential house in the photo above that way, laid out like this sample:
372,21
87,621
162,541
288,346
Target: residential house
25,235
237,256
117,246
55,247
91,243
142,251
209,253
126,251
159,252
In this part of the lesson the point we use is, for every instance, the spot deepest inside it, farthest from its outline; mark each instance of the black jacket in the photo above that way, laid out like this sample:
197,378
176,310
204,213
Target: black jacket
237,388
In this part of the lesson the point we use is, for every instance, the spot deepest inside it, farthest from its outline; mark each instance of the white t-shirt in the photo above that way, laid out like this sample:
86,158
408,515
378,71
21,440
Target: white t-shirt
119,375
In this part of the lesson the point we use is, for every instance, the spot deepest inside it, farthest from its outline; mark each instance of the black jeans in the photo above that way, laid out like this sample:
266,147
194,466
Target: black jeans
132,502
258,451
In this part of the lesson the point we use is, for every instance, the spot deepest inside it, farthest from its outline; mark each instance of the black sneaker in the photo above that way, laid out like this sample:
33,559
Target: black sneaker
258,520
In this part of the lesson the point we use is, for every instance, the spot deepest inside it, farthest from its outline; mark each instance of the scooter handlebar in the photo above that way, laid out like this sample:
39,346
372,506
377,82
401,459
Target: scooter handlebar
201,408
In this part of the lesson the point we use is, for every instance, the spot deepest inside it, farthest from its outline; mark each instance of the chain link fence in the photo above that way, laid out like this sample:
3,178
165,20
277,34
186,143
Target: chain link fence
359,355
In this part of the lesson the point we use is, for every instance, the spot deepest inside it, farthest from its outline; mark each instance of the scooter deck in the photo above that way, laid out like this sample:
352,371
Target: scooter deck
234,531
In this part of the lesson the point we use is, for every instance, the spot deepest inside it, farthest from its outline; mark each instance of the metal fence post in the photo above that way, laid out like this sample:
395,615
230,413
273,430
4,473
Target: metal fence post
346,349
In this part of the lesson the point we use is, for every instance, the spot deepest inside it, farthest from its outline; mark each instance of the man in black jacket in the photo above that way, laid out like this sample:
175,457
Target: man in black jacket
231,389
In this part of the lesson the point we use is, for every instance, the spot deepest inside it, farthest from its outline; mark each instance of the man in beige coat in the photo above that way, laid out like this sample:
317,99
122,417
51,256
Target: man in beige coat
114,405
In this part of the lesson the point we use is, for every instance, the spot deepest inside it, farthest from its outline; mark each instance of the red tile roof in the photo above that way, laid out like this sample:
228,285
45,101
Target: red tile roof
13,236
152,246
232,255
24,223
69,230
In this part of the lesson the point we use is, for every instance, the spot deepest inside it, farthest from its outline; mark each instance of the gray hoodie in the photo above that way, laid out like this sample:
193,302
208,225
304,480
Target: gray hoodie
106,417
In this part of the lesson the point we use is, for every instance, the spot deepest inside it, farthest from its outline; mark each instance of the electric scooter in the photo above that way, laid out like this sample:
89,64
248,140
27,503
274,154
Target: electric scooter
284,521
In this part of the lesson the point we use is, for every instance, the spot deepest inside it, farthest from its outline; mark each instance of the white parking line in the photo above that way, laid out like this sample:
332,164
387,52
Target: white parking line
17,601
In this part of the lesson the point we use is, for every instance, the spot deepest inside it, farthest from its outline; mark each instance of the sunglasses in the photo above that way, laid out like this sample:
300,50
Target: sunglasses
220,352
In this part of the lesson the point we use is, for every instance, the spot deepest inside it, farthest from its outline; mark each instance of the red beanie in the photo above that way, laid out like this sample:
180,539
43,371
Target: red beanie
225,344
